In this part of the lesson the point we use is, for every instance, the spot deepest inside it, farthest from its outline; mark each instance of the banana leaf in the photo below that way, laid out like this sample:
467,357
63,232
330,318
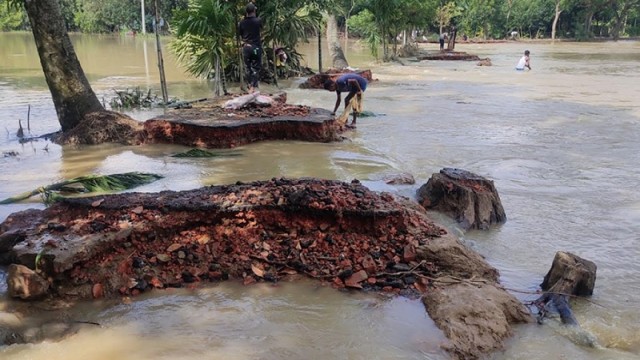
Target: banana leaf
199,153
88,184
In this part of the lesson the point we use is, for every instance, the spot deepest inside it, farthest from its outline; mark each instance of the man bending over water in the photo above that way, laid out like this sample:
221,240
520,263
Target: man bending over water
355,85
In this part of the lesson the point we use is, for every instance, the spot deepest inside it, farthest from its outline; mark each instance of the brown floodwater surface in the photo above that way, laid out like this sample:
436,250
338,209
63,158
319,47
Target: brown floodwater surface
561,142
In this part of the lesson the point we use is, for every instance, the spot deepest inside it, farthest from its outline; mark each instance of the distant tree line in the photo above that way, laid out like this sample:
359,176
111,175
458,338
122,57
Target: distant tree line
97,16
379,20
497,19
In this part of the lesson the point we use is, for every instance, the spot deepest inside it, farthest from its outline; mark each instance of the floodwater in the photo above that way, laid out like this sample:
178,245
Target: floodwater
561,142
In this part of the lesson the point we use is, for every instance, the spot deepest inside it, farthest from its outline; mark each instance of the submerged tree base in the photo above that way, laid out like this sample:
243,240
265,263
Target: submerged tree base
102,127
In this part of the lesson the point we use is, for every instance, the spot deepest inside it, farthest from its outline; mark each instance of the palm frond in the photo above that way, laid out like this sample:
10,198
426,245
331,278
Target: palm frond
88,184
205,32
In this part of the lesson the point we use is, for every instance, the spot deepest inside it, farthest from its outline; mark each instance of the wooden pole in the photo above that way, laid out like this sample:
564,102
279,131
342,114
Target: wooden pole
143,26
319,50
163,81
240,56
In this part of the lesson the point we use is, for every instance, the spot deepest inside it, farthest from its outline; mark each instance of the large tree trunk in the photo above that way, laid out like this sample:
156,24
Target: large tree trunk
620,15
338,60
72,95
452,39
588,19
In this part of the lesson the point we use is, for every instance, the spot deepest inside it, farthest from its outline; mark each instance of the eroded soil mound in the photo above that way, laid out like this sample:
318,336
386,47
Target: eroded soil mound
214,109
128,243
209,124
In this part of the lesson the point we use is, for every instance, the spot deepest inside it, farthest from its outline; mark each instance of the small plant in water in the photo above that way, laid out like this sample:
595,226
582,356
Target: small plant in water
133,98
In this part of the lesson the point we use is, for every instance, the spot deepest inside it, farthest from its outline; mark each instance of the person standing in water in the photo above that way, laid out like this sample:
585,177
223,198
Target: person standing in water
249,31
524,62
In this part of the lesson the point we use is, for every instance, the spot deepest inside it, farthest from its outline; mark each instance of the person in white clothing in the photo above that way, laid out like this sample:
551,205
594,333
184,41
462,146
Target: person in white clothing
524,62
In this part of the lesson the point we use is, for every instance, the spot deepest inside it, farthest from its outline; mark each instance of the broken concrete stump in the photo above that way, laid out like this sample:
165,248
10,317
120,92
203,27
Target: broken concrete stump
25,283
470,199
569,275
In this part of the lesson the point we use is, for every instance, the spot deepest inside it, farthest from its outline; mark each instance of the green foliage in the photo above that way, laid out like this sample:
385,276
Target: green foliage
529,18
12,17
446,12
134,98
287,22
88,184
113,182
391,17
95,16
362,24
205,31
482,18
106,15
38,259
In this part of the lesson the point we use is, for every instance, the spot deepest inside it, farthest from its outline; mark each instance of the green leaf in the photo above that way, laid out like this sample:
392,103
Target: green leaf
88,184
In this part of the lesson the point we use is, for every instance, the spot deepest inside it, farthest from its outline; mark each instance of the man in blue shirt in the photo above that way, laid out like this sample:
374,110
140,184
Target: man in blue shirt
355,85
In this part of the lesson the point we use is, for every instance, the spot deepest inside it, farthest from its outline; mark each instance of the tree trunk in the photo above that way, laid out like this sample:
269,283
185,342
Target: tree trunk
72,95
346,27
452,39
243,86
587,24
217,82
620,18
555,20
163,81
335,50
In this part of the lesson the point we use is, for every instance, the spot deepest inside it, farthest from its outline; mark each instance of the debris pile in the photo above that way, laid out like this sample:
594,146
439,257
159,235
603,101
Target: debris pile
263,231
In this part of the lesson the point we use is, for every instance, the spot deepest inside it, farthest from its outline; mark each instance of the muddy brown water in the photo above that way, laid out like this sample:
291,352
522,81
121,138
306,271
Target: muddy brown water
562,143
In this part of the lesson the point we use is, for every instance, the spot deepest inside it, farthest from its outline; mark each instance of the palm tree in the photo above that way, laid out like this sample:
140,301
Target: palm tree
204,38
206,32
287,22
